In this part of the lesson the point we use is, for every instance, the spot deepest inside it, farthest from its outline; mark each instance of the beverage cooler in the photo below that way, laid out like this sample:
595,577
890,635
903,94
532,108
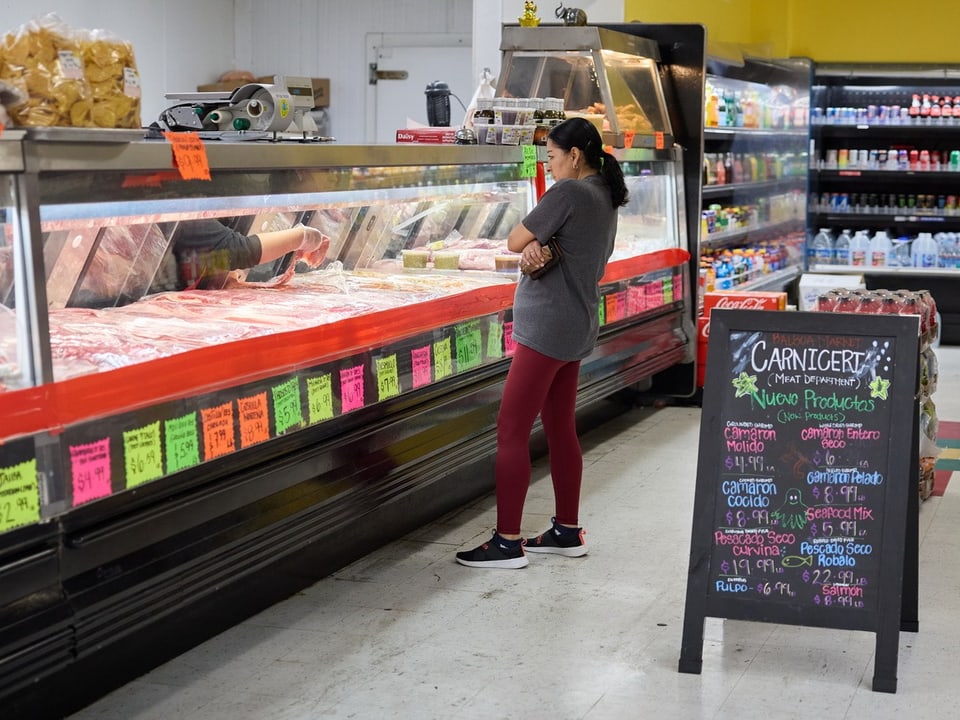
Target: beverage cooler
172,460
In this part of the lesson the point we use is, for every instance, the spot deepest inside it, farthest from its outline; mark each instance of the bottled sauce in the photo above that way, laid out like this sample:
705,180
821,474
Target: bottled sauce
841,248
823,247
880,247
925,252
728,168
859,249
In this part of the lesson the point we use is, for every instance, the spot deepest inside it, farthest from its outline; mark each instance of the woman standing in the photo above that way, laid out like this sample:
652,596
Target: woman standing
555,325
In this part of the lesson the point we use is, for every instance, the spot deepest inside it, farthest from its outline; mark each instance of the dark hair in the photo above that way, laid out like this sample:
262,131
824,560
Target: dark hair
583,134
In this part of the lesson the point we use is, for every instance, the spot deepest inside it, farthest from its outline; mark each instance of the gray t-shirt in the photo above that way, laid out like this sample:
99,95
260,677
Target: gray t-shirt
557,315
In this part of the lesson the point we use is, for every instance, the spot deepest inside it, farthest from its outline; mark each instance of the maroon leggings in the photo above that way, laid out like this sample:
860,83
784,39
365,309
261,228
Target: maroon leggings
538,384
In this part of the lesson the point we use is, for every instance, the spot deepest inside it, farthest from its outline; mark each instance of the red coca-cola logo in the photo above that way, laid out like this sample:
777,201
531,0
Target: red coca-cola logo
744,303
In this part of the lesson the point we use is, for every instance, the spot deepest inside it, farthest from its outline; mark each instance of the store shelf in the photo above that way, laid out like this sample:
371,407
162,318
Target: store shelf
730,237
777,280
912,131
712,133
924,222
913,177
872,270
765,187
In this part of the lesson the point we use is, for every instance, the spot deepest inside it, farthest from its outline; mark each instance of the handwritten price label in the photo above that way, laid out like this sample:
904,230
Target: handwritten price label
189,155
19,495
658,140
182,442
494,339
254,419
602,311
442,359
628,136
529,167
287,410
636,299
351,389
320,398
388,379
218,431
509,344
90,471
422,368
143,454
469,345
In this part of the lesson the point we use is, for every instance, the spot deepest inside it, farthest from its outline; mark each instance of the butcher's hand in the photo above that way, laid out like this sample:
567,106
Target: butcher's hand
314,246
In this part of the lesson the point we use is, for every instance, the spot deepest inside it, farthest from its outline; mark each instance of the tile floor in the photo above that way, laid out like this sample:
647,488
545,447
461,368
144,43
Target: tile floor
407,633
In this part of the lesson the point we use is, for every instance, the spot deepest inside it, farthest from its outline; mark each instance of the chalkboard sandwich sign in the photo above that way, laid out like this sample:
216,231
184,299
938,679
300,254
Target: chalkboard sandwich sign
806,501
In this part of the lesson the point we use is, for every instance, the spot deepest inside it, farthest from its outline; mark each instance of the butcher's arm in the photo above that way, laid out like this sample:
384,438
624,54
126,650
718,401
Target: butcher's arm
278,243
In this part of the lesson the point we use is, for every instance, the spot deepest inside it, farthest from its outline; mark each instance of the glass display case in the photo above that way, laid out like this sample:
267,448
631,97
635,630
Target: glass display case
755,160
604,75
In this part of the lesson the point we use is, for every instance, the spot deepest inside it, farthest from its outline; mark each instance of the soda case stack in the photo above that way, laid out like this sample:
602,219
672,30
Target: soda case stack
904,302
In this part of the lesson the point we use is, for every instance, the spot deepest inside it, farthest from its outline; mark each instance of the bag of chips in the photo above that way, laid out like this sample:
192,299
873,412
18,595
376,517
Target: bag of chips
43,59
111,71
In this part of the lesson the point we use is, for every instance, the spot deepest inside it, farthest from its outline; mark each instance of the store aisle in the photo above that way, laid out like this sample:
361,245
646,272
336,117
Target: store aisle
407,633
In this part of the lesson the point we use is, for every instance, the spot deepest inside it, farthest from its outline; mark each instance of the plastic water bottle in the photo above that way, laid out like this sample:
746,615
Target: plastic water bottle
841,248
926,253
949,252
823,247
860,249
880,247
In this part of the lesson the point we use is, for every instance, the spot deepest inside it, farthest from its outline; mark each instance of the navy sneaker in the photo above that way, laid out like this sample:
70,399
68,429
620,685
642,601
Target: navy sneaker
494,554
569,542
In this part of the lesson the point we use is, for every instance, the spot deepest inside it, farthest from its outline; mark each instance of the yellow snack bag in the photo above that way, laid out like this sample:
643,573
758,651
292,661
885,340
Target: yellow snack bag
111,70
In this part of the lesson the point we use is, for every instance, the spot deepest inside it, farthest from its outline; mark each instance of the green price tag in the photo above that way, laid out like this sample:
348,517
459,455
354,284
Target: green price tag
182,442
602,311
442,359
494,339
19,495
388,380
143,454
320,398
469,345
287,412
529,168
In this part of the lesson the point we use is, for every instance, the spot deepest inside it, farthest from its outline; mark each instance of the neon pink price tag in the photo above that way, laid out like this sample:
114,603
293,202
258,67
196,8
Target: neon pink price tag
509,344
351,389
90,471
422,368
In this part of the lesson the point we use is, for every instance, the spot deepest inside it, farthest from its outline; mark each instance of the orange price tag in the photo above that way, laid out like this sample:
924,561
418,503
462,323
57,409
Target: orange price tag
658,140
189,155
628,138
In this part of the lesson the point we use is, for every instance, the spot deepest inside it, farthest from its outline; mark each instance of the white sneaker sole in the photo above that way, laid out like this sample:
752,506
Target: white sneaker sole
511,564
578,551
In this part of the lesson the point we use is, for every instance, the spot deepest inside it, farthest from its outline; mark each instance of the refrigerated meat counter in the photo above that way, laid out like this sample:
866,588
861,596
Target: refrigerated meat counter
174,458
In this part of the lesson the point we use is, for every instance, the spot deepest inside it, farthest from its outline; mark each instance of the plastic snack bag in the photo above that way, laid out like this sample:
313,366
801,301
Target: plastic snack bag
111,71
43,60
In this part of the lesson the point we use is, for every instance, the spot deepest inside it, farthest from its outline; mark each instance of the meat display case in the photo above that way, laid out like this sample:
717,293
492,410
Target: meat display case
168,454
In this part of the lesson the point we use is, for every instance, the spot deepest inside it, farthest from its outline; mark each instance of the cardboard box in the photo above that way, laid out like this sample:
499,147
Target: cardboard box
321,89
744,300
433,136
815,284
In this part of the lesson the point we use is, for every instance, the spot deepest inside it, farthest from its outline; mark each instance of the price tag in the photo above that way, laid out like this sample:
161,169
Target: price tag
254,419
494,339
601,312
442,359
351,389
90,471
143,454
218,431
610,301
509,344
19,495
320,398
658,141
469,345
636,299
422,369
189,155
529,167
287,410
388,379
70,65
182,442
620,304
628,136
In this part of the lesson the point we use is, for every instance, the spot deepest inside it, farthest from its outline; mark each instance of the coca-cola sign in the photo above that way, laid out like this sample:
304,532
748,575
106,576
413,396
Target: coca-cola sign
742,303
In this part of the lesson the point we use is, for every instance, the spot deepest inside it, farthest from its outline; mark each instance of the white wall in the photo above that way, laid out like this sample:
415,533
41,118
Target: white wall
182,43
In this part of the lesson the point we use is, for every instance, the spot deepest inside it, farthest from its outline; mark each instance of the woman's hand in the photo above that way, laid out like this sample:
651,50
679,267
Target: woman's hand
531,258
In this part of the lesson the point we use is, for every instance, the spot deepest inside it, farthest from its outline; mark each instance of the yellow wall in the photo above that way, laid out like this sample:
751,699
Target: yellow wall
888,31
